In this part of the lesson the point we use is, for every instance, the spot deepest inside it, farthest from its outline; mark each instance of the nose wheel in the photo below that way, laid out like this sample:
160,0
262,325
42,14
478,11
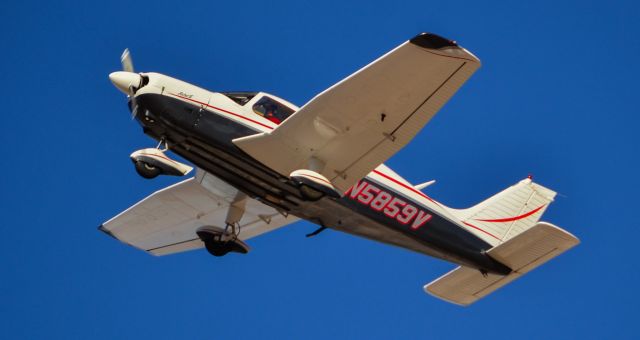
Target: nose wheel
147,170
151,162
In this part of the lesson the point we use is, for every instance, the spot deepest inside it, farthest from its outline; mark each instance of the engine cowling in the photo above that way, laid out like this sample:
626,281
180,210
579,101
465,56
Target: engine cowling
314,185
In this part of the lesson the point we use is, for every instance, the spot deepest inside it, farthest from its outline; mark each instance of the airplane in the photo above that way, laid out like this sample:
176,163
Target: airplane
263,163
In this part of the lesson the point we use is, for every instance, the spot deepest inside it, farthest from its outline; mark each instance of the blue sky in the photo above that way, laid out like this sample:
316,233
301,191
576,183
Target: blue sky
555,98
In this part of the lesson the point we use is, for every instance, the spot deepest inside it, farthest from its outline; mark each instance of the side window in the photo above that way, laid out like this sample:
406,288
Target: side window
240,97
272,110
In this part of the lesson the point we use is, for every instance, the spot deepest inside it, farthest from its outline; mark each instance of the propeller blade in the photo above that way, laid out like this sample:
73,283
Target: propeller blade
125,59
134,104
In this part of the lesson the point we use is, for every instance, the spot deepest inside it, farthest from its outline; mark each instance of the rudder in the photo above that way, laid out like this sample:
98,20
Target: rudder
507,213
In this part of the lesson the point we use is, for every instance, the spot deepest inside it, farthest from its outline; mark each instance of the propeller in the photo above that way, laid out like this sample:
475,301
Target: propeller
127,81
127,62
134,104
127,66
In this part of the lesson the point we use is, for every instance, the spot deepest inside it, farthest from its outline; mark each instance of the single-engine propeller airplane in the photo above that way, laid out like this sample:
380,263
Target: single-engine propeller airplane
263,163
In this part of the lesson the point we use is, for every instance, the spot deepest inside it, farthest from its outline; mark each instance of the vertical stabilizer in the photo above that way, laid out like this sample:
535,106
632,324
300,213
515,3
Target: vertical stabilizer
508,213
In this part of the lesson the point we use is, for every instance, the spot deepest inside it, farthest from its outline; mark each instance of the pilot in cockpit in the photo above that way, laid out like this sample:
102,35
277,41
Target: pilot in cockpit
271,113
272,110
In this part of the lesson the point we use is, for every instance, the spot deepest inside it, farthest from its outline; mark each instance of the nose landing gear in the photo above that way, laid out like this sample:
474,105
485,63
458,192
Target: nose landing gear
146,170
151,162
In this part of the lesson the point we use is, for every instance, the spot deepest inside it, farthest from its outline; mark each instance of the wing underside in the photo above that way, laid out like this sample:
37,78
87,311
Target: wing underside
355,125
166,221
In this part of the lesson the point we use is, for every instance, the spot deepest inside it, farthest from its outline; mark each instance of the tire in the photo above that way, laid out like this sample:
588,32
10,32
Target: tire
146,170
217,249
310,193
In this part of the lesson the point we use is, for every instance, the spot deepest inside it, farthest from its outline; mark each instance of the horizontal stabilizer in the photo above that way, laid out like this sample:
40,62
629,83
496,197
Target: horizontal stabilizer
524,252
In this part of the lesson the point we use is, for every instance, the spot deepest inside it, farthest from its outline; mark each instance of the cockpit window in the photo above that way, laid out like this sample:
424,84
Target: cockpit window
272,109
240,97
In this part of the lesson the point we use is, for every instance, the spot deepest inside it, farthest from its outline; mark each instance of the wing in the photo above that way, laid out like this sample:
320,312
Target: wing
166,221
358,123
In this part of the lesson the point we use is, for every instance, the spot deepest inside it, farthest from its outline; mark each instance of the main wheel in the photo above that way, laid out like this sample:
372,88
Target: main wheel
218,249
147,170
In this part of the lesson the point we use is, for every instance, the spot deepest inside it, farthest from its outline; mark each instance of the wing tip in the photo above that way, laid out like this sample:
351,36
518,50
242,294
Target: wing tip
438,43
432,41
107,231
428,289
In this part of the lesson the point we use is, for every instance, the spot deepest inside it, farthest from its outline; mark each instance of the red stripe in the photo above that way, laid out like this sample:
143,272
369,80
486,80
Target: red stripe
509,219
223,110
486,232
154,155
430,199
405,186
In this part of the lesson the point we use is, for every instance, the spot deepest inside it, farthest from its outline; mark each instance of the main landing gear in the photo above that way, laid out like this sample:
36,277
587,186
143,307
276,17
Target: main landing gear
220,241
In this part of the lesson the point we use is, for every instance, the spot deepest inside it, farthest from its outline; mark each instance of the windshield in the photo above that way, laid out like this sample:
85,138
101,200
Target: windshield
272,109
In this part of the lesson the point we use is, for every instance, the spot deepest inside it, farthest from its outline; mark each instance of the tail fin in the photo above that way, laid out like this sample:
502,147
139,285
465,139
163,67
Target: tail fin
508,213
